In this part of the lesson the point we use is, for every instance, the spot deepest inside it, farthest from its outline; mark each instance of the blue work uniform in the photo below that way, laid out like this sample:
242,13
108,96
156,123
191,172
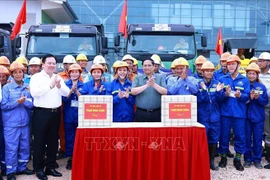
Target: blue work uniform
255,123
233,113
178,86
2,144
197,76
16,126
219,73
208,109
89,88
108,77
70,112
123,110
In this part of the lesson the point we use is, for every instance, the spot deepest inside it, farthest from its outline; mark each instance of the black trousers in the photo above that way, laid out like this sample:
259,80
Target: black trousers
143,115
46,124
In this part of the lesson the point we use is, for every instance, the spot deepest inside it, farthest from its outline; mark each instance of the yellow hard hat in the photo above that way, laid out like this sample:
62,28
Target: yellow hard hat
121,64
233,58
4,60
200,60
4,70
115,63
156,59
224,56
81,57
97,66
22,60
135,62
173,64
128,57
181,62
208,65
16,65
75,67
253,59
253,67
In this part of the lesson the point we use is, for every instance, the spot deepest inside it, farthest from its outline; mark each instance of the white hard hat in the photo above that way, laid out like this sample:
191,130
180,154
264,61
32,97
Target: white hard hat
34,61
69,59
99,60
127,57
265,56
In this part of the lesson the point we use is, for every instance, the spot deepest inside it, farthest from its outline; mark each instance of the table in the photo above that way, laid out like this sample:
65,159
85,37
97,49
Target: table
158,153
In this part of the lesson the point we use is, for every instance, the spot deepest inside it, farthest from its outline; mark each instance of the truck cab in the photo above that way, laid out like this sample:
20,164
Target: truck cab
61,40
169,41
9,48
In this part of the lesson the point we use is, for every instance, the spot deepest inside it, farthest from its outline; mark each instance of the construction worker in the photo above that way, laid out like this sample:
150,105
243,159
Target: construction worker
4,61
15,105
173,74
235,95
4,74
24,62
68,60
198,65
115,64
123,100
34,67
157,62
264,63
253,60
106,77
71,110
82,61
96,86
129,60
255,117
222,71
208,100
182,84
135,66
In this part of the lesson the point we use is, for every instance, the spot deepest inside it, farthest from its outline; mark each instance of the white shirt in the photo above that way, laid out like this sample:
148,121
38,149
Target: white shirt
43,95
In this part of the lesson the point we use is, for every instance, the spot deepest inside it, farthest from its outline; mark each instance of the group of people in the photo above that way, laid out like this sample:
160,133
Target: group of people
226,100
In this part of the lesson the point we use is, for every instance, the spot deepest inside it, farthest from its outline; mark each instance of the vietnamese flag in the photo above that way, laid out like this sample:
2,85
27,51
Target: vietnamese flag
21,19
219,48
123,21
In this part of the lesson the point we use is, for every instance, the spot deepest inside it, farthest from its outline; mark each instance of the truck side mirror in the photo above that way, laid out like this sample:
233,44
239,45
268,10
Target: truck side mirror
117,40
203,41
18,42
104,42
1,41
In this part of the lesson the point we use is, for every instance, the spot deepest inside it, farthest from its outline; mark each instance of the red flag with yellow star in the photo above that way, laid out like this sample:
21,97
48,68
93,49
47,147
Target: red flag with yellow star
123,21
21,19
219,45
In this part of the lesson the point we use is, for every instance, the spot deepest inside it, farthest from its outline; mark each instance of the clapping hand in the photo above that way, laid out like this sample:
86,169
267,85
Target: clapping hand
203,85
21,99
238,93
220,86
228,90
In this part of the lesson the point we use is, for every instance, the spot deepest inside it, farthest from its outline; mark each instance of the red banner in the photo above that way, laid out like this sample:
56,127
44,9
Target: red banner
95,111
179,110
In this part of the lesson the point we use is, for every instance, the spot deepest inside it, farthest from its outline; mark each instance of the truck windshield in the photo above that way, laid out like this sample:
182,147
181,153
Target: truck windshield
162,44
60,44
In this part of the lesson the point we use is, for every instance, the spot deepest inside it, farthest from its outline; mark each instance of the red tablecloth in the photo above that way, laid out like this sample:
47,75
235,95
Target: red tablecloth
164,153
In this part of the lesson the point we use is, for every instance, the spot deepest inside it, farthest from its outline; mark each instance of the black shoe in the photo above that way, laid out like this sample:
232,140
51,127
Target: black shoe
60,155
3,172
69,164
56,165
213,166
223,162
237,164
53,172
26,172
1,178
11,176
229,154
267,166
41,175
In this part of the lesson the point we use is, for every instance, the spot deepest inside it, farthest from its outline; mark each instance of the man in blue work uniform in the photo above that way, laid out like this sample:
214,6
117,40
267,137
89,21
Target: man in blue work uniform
182,84
15,105
198,65
208,99
123,100
71,110
233,112
222,71
255,118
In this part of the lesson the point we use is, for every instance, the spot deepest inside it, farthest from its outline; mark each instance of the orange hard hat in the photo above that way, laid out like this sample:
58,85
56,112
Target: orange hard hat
208,65
224,56
75,67
233,58
4,60
4,70
96,66
200,60
16,65
253,67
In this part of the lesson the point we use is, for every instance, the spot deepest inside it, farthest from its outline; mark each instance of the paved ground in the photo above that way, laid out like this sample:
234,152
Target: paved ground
223,174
